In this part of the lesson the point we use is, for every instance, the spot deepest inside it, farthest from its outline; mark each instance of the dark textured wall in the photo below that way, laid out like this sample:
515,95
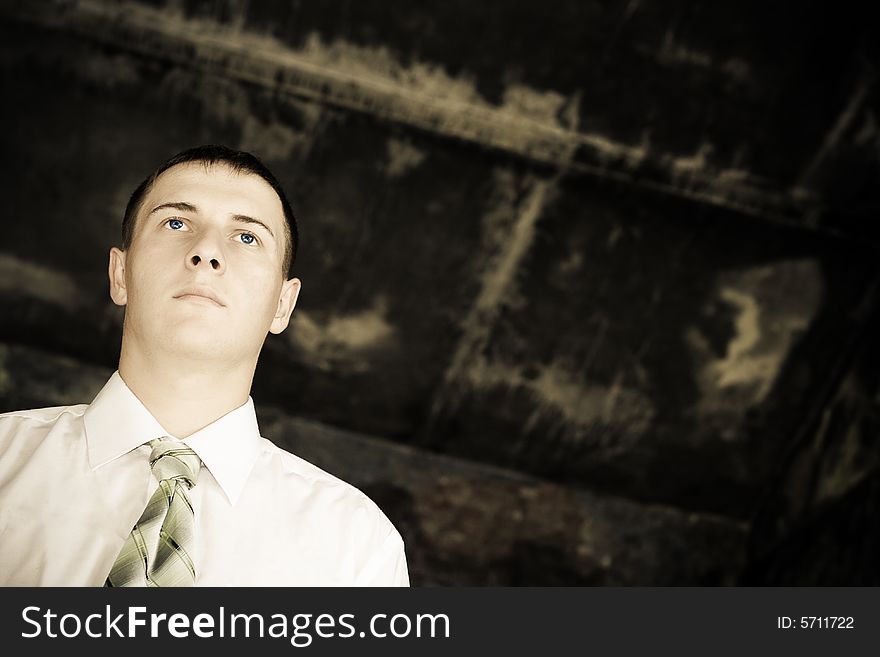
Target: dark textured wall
589,289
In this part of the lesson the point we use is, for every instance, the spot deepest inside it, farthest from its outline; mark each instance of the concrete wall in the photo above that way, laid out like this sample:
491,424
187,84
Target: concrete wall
579,278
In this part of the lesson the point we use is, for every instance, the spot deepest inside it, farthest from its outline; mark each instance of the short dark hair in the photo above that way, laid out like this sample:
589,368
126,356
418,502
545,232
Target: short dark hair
239,162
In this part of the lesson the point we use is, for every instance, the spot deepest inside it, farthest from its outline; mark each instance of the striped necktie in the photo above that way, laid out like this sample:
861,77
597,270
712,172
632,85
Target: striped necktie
159,550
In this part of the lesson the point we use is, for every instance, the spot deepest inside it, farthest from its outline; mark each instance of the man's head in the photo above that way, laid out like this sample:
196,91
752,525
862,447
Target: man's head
208,241
210,155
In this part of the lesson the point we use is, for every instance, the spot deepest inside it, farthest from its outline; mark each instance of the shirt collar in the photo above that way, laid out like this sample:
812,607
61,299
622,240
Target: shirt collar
117,422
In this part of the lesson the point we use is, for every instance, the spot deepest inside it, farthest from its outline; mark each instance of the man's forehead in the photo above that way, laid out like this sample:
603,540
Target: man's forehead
219,180
190,174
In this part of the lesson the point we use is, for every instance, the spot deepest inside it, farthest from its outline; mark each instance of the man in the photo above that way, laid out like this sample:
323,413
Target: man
164,479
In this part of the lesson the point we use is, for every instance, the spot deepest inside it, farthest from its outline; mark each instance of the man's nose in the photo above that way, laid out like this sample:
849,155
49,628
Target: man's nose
206,253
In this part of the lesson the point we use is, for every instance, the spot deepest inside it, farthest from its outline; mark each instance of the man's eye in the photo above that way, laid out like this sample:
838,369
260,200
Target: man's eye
174,224
248,238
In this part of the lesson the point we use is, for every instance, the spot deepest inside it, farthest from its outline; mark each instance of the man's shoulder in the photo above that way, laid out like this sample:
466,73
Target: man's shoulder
36,416
296,469
288,464
23,431
327,516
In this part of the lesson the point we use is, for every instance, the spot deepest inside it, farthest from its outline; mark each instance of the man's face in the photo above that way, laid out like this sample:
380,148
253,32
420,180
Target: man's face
202,276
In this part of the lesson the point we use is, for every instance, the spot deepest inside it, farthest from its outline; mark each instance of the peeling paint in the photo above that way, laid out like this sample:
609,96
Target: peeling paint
341,342
696,172
773,306
608,151
673,52
521,105
850,464
580,407
378,64
731,179
364,330
540,106
687,166
402,157
739,366
508,233
559,394
22,278
420,94
834,136
848,452
497,222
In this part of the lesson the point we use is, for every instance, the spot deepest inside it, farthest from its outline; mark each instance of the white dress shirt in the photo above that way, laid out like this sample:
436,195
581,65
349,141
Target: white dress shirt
75,479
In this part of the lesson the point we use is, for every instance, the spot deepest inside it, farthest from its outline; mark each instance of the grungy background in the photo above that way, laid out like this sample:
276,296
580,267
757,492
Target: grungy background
590,287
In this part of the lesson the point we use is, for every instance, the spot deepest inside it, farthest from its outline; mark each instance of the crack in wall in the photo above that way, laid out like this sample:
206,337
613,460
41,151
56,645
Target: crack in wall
498,280
844,120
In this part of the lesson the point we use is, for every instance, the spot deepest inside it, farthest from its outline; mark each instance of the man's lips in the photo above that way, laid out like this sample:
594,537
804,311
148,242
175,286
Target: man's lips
204,293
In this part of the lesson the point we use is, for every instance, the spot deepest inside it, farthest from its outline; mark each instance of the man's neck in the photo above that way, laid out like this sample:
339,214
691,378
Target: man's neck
185,396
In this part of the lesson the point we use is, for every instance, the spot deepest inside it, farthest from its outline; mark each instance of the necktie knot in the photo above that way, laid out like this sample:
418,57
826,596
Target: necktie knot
171,459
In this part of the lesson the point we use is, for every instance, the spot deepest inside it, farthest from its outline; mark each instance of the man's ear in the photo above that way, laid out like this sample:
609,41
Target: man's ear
289,294
116,271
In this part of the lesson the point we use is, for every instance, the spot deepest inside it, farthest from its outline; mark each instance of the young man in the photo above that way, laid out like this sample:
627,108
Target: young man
164,479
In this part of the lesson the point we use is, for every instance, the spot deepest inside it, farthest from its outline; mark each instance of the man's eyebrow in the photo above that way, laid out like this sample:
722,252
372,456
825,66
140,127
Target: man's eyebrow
180,205
243,218
183,206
